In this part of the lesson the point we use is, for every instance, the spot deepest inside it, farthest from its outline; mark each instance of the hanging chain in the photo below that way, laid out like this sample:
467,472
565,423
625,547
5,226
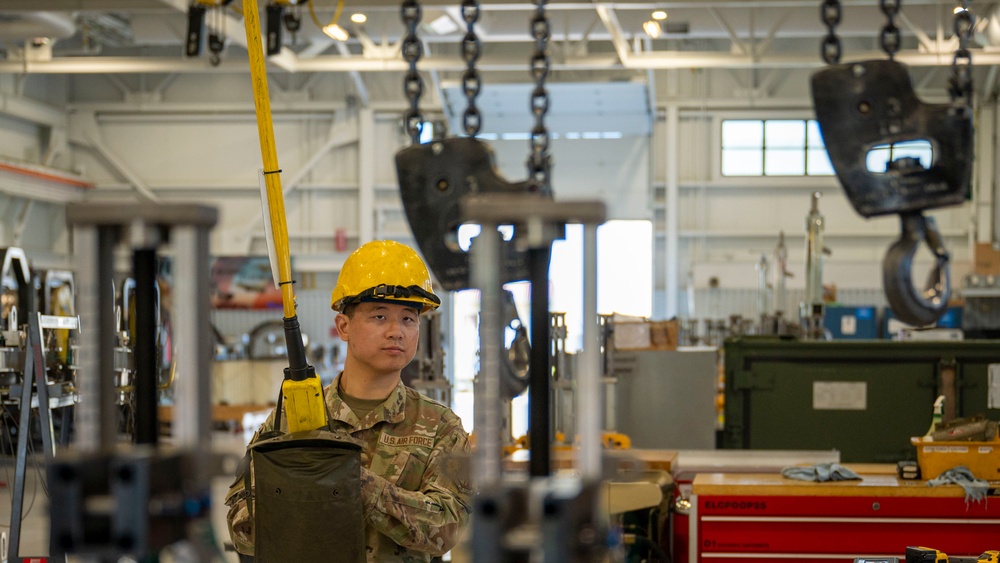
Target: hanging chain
960,84
890,38
830,49
413,84
471,81
539,163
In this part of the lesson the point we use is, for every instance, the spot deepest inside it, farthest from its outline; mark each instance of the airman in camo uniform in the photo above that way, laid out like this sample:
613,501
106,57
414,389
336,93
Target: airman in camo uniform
415,492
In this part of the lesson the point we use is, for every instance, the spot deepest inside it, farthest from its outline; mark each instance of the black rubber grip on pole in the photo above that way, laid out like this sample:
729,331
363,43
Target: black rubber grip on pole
298,368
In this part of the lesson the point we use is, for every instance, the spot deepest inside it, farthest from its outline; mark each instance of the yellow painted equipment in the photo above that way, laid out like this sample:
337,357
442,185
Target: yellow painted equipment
302,391
930,555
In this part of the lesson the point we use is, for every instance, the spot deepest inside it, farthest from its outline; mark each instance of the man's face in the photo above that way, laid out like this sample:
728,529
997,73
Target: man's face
381,336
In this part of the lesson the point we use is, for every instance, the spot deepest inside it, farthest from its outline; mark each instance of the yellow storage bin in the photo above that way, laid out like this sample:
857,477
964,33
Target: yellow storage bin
982,458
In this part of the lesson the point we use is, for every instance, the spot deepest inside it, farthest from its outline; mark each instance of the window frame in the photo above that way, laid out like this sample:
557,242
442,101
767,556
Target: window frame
790,115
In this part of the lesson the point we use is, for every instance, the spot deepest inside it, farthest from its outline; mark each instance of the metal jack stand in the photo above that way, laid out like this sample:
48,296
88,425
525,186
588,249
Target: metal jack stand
108,498
543,518
25,353
34,393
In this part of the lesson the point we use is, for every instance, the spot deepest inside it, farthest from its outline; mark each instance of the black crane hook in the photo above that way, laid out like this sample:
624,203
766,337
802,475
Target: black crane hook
913,307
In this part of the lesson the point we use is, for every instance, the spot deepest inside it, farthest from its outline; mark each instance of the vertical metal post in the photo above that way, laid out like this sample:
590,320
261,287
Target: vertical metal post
539,372
87,421
144,345
672,213
588,393
485,262
96,415
107,239
366,175
192,413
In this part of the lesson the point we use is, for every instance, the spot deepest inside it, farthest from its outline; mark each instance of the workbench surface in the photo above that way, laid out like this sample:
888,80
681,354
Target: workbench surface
653,460
875,482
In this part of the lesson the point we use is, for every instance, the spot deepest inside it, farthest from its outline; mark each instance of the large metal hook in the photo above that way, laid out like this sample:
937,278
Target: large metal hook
911,307
517,359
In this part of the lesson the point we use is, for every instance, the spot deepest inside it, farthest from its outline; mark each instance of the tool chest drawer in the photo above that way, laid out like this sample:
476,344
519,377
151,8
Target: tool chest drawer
823,521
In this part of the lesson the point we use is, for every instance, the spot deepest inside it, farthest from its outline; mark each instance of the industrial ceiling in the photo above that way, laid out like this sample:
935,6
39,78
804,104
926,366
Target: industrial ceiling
601,38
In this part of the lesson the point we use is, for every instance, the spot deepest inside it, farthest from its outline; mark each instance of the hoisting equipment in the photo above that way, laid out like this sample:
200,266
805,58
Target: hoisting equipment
869,104
434,177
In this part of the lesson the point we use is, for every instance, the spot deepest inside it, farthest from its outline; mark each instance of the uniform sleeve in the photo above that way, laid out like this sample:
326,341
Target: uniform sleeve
432,518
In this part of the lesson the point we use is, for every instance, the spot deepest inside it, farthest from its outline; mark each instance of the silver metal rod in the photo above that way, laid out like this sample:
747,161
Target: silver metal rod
588,407
88,413
192,410
485,265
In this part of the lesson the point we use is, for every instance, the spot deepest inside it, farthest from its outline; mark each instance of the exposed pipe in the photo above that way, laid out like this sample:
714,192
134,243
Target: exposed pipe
46,176
30,25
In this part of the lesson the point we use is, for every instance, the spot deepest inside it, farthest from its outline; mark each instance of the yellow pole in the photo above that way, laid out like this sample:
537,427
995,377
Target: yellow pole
272,176
304,405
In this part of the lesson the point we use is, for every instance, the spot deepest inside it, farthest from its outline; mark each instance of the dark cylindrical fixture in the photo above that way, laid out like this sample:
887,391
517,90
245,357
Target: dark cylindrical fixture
539,373
144,345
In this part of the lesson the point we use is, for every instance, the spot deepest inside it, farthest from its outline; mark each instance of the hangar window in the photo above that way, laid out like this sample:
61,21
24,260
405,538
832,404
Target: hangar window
773,147
880,156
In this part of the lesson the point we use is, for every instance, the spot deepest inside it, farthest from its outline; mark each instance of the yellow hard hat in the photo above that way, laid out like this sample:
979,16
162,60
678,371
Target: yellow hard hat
384,270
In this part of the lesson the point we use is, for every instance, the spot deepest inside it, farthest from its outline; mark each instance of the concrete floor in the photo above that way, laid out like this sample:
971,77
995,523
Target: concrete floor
35,514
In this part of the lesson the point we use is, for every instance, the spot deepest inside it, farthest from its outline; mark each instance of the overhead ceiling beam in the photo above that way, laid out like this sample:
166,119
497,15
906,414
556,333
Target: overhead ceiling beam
610,21
335,63
740,45
359,82
368,46
146,6
925,42
765,45
326,63
581,46
32,111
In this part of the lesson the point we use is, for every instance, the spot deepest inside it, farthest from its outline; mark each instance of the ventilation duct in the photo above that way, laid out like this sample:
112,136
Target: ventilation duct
24,26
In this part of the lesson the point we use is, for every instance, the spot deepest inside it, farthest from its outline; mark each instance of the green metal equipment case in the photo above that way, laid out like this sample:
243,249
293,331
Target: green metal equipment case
862,398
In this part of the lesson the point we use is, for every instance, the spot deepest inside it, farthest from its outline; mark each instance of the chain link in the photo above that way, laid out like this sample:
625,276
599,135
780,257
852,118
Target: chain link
890,38
413,84
830,48
540,162
960,83
471,80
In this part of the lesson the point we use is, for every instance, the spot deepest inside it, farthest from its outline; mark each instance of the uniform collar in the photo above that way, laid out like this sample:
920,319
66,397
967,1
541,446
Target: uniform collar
391,410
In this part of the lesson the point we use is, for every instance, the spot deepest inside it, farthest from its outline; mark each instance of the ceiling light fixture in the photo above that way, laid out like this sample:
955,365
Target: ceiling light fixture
660,15
652,28
334,31
359,18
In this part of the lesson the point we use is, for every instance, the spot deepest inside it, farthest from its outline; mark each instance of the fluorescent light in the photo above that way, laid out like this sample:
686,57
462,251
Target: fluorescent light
359,18
659,15
336,32
652,28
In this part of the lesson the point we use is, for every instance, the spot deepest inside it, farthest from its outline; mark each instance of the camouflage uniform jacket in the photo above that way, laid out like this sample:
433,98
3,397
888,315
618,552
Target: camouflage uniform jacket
415,499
